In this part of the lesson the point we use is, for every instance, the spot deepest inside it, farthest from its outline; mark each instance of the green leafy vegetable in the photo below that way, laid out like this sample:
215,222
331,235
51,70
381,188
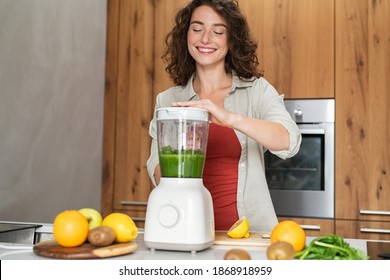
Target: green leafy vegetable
330,247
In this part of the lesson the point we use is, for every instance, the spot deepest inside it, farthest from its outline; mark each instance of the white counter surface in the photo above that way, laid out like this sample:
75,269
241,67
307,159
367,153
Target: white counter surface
10,251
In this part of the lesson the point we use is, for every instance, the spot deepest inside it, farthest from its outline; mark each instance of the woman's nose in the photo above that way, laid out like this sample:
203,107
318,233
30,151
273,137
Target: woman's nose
205,37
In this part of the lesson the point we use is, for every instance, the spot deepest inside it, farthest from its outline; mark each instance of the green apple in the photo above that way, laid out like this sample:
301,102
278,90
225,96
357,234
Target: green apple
93,216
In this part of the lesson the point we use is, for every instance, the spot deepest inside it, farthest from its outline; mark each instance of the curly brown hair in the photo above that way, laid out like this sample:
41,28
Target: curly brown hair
241,57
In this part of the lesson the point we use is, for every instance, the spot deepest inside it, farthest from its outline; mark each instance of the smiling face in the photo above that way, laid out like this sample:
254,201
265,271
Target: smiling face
207,37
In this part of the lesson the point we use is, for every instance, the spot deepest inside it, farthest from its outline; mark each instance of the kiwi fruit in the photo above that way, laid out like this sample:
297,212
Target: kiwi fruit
237,254
280,250
101,236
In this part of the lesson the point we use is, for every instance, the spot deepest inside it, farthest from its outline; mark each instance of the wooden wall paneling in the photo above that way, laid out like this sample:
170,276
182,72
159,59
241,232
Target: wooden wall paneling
351,114
254,13
362,102
134,104
110,107
378,198
165,11
299,47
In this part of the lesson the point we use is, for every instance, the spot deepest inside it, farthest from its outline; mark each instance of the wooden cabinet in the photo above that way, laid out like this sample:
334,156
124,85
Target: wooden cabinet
363,229
128,106
165,11
313,227
296,44
362,116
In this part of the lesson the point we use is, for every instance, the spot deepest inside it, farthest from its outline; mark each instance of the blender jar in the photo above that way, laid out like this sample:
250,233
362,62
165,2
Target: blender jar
182,134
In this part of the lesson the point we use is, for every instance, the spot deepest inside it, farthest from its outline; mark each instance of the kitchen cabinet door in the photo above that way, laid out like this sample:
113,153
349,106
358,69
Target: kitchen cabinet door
296,44
362,110
313,227
363,229
128,107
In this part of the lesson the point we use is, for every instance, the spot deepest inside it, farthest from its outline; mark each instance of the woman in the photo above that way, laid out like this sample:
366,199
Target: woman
212,61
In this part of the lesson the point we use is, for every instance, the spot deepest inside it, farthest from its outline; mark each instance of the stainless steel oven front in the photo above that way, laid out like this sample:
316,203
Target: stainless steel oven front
303,186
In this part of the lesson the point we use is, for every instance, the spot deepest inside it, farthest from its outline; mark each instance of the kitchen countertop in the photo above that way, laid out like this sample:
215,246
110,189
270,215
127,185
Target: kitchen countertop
11,251
215,252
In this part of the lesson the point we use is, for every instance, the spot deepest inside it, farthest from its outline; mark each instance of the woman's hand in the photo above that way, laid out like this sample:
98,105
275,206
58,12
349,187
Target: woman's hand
218,115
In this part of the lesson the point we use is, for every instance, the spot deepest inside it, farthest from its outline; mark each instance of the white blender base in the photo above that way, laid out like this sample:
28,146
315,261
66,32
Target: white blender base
193,248
179,216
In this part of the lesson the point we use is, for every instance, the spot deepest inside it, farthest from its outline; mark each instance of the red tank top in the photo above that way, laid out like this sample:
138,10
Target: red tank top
220,174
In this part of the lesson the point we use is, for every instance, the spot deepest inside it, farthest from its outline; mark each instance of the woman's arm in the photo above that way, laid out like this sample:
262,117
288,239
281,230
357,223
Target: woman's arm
271,135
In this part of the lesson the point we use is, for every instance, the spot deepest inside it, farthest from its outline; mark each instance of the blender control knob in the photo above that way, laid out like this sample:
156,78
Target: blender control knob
168,216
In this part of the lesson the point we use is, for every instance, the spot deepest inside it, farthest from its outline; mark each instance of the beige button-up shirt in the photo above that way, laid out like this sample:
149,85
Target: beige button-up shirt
258,99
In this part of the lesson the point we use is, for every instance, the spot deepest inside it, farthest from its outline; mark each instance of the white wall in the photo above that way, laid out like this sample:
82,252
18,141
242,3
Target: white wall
52,59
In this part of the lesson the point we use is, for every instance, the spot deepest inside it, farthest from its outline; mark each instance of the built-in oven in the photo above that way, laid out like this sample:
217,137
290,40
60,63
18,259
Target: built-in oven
303,186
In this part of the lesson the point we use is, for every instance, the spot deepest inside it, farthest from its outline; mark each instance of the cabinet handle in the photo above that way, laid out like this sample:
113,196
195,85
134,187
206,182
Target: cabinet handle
138,219
374,230
374,212
134,203
311,227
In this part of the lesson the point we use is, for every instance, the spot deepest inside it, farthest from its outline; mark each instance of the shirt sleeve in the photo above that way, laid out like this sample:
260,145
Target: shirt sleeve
267,104
153,160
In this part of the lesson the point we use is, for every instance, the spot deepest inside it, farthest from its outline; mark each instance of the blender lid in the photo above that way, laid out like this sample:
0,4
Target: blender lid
178,113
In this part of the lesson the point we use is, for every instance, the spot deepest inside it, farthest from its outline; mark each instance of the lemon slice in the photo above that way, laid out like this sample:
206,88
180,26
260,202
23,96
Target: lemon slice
240,229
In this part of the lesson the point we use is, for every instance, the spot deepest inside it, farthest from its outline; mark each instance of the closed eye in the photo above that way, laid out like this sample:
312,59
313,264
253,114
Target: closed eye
219,29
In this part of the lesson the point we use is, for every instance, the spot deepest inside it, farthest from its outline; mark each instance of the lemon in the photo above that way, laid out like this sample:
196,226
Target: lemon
240,229
124,227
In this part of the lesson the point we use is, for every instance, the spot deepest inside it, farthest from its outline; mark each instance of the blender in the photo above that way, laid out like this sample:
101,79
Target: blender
179,214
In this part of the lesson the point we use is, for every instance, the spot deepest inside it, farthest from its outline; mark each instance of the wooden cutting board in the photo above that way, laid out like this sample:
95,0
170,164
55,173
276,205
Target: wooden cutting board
51,249
255,239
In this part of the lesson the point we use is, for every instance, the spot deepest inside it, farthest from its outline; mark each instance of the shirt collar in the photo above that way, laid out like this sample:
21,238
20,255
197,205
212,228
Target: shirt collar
237,83
241,83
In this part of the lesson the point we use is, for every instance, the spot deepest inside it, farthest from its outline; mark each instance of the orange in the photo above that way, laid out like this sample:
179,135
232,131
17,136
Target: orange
291,232
70,228
124,227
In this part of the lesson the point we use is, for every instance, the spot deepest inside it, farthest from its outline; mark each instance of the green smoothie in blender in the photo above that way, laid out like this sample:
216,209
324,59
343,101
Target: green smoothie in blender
181,163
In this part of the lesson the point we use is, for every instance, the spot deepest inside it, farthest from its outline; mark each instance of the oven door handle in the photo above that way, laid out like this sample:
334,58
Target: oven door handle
312,131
